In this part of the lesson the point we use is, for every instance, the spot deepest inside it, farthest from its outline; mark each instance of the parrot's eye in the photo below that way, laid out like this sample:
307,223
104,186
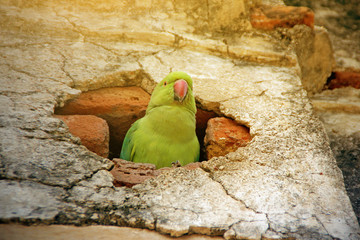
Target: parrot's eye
165,83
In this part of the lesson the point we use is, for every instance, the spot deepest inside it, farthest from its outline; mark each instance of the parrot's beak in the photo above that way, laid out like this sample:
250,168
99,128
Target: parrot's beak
180,90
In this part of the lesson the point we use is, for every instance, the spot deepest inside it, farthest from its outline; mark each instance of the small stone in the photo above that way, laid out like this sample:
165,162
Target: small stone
93,132
128,173
224,135
192,166
269,18
345,79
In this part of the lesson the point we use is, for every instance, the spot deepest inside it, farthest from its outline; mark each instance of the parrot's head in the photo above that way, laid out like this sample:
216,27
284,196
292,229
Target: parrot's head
175,89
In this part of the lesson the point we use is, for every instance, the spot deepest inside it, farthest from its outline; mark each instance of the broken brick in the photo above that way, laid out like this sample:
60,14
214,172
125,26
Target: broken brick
268,18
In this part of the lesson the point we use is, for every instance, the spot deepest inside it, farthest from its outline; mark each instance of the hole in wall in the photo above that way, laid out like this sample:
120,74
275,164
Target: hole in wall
120,107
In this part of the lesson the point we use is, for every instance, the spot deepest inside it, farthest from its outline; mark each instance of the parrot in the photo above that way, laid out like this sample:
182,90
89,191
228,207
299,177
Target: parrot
165,136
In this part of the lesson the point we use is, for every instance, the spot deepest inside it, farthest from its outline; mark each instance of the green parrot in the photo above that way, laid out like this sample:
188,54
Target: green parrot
166,134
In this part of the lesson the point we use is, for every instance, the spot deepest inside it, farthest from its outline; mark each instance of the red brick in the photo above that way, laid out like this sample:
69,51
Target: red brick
224,135
268,18
345,79
119,106
93,132
128,173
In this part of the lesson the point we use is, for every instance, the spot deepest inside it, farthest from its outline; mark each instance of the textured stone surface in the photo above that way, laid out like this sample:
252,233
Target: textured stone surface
341,19
338,100
92,131
315,56
339,110
284,184
223,136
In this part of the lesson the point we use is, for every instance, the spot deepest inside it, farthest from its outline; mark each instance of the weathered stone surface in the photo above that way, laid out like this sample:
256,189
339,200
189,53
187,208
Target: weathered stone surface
120,107
224,135
30,201
315,56
339,109
338,100
284,184
270,17
341,20
38,148
92,131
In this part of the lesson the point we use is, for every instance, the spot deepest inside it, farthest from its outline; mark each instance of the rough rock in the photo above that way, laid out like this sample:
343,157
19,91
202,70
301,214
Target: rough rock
338,100
284,184
224,135
341,20
270,17
119,106
30,201
339,110
315,54
92,131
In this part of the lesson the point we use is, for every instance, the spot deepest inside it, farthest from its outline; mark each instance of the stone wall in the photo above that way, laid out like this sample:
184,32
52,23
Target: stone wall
284,184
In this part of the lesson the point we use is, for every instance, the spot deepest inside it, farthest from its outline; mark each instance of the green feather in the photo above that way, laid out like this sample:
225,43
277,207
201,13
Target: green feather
166,133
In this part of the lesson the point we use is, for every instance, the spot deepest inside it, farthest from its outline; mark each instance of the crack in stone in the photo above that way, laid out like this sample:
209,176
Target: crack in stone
105,48
211,176
63,66
17,45
32,76
75,27
20,71
320,222
86,177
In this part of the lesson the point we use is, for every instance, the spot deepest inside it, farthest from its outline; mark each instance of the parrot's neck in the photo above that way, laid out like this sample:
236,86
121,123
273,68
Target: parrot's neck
173,121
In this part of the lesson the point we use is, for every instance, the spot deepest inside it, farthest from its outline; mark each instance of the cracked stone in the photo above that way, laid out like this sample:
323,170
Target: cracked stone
30,200
287,174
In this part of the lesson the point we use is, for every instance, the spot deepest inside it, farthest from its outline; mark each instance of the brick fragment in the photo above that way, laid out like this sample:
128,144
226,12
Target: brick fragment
224,135
268,18
345,79
93,132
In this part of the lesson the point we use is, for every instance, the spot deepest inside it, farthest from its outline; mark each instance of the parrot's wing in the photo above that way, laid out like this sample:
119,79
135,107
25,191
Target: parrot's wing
127,150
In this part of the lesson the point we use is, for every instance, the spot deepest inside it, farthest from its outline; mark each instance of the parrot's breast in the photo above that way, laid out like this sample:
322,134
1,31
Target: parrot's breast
167,134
